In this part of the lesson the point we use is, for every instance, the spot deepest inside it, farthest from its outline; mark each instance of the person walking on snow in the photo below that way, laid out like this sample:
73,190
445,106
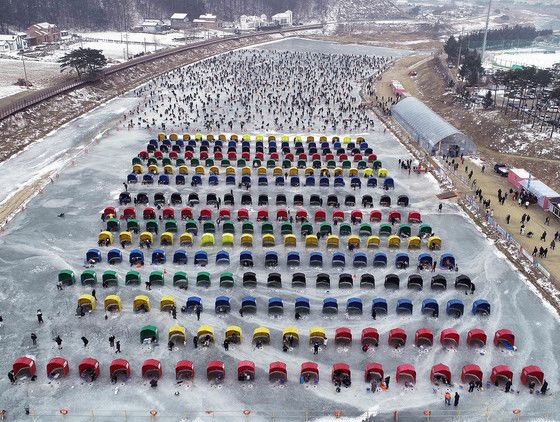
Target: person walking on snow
34,339
39,316
456,399
447,398
58,341
112,341
85,340
118,347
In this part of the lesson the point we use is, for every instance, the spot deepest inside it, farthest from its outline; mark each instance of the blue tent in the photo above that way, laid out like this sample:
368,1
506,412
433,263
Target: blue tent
275,304
213,180
389,183
192,302
148,179
222,258
279,181
481,307
232,144
180,179
158,257
338,181
380,260
245,144
360,260
447,261
425,259
325,145
262,181
402,260
330,305
324,181
166,142
132,178
153,142
294,181
249,304
196,180
230,179
180,257
285,144
163,179
180,143
114,256
338,259
354,305
201,258
93,255
355,182
350,146
310,181
316,259
363,146
271,259
455,308
404,306
136,257
218,143
379,304
302,305
371,182
293,259
246,180
222,304
246,259
430,306
337,145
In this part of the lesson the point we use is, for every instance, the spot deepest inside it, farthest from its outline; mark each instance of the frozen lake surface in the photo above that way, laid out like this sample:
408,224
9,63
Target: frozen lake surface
37,245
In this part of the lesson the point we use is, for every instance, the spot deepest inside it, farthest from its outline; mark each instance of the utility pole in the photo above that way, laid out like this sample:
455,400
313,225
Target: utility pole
24,71
486,31
460,48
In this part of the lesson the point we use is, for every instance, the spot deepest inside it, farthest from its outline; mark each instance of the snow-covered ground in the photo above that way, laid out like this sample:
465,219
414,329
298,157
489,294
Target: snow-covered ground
37,244
527,57
40,74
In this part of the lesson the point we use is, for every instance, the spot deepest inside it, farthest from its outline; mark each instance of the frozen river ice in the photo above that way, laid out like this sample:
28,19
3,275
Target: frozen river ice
37,244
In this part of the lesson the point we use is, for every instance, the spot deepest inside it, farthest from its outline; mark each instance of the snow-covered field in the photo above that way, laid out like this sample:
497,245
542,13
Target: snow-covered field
527,57
40,74
37,244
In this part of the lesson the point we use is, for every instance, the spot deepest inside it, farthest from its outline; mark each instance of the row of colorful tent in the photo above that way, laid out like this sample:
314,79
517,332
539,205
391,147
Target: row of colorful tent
161,137
89,369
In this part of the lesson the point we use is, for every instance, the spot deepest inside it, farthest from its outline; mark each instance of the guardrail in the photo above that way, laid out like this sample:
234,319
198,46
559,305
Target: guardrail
61,88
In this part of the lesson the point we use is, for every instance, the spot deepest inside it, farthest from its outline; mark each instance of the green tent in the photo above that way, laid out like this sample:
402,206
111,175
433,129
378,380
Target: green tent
241,163
166,161
365,230
256,163
286,164
191,227
316,164
180,280
331,164
404,230
171,226
132,277
149,332
306,229
113,225
152,226
156,277
286,228
228,227
362,164
209,227
180,162
67,277
271,163
225,163
110,277
132,225
345,229
203,279
248,227
226,280
325,228
346,164
209,162
195,162
377,164
267,228
88,277
301,164
136,160
152,161
425,229
385,230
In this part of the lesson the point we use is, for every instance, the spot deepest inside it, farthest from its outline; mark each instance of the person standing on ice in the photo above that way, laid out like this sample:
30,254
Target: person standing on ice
58,341
112,341
315,348
197,311
12,377
118,347
85,340
544,387
456,399
39,316
386,381
34,339
447,398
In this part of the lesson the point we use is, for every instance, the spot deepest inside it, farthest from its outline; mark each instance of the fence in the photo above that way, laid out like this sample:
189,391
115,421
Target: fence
63,87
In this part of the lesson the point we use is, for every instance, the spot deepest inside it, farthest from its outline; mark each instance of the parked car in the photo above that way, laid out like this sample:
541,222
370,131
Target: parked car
501,169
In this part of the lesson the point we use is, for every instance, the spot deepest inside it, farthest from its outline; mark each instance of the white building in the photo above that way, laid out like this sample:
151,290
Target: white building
152,25
12,42
283,19
179,20
207,20
248,23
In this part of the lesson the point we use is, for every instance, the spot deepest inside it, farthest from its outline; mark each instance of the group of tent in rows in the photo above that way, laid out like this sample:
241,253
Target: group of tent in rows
119,370
272,259
354,305
315,200
199,137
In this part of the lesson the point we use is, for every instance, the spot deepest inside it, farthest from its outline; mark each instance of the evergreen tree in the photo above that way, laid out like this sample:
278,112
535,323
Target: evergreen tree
86,61
451,48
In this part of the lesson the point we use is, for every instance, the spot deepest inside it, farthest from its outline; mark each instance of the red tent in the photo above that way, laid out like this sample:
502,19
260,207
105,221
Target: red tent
374,371
151,368
471,373
144,155
225,214
168,213
281,214
262,214
476,336
158,155
129,213
215,370
242,214
218,156
504,338
309,371
394,216
424,336
277,371
89,369
315,156
414,217
184,370
259,155
397,337
406,370
203,155
188,155
246,155
232,155
289,156
329,156
375,215
119,367
24,367
340,371
186,214
109,212
206,214
149,214
173,155
532,373
372,157
320,216
357,215
370,336
274,156
501,373
440,371
57,367
343,157
449,335
246,370
300,214
357,157
343,335
338,215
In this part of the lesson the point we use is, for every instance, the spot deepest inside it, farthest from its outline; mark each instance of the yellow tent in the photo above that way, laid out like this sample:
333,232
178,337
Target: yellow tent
147,236
104,236
153,169
277,171
161,136
354,241
178,334
262,334
222,137
323,138
338,171
290,240
186,136
227,239
353,172
297,138
210,137
434,242
309,171
173,137
333,241
214,170
246,137
317,335
346,140
186,239
113,303
205,331
246,171
230,170
125,237
234,137
369,172
261,171
382,172
311,241
373,242
259,138
234,334
168,169
394,241
141,302
207,239
268,241
414,242
199,170
167,303
166,238
292,171
310,138
247,240
293,331
284,138
87,302
137,168
183,169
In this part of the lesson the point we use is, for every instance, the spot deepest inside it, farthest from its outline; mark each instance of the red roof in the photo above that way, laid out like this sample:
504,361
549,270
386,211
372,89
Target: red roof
414,216
374,369
343,333
473,371
441,370
151,367
89,364
504,336
310,367
532,371
26,364
423,335
375,215
397,336
339,369
119,365
406,370
184,368
58,365
370,333
449,335
501,371
277,366
476,335
215,365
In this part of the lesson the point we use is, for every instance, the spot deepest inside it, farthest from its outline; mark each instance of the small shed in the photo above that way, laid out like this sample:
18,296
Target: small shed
516,176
